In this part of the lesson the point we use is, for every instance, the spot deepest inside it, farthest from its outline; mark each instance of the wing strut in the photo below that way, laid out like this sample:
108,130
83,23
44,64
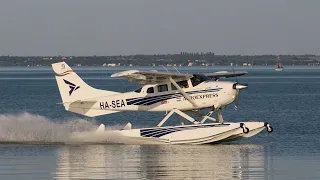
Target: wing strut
182,92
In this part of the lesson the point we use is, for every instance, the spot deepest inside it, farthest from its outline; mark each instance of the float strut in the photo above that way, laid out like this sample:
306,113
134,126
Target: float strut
182,114
220,118
207,116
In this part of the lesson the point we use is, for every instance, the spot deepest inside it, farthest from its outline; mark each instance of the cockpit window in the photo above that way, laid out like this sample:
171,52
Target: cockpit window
150,90
138,90
183,84
162,88
197,79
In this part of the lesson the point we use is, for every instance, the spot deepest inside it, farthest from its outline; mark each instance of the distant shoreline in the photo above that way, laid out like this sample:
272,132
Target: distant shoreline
167,60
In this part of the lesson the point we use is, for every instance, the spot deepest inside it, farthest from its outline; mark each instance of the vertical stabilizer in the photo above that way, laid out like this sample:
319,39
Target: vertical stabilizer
77,96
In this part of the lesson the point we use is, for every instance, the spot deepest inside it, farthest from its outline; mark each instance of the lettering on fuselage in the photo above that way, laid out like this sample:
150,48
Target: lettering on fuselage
203,96
112,104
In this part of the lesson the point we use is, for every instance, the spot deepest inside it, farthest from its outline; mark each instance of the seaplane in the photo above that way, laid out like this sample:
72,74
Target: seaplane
168,92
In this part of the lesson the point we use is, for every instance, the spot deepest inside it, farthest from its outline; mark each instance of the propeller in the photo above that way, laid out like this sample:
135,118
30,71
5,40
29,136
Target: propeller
238,87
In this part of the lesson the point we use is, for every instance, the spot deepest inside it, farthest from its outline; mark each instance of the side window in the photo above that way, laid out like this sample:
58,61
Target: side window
173,87
162,88
150,90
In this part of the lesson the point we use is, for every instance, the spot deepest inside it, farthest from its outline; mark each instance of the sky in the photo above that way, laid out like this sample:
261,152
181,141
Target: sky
125,27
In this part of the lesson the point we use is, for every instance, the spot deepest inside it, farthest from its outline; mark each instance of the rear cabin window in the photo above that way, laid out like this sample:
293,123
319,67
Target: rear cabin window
150,90
173,87
162,88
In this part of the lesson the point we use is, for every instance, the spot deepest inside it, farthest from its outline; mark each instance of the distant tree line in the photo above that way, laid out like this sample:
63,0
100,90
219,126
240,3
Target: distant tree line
182,59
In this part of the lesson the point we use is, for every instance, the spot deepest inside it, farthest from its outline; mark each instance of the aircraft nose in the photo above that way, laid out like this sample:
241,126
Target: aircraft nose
239,86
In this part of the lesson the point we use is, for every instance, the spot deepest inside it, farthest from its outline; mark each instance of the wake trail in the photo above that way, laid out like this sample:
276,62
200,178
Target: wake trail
27,128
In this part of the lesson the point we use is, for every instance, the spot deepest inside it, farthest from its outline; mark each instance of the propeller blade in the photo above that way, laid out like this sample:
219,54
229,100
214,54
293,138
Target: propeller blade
237,97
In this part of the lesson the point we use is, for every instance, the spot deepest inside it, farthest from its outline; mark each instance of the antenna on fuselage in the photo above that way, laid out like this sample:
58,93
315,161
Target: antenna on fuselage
176,69
237,93
234,73
165,68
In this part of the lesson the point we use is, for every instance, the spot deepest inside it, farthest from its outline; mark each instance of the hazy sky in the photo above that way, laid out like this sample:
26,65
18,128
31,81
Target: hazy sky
102,27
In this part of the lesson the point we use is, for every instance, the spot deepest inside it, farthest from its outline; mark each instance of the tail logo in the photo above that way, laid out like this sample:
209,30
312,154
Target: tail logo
65,72
72,87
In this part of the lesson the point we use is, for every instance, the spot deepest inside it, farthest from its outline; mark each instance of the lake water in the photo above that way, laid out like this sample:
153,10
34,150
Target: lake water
30,111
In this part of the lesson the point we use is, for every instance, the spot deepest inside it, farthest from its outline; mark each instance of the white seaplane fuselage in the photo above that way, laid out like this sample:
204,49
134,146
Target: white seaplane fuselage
206,94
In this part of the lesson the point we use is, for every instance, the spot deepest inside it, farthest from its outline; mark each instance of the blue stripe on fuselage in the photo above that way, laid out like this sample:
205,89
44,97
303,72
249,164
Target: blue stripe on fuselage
156,99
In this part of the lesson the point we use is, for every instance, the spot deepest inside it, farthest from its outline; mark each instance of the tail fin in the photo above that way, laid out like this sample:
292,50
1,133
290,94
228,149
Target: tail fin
76,95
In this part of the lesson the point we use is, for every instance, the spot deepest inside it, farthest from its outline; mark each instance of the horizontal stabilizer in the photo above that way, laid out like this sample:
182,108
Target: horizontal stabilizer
85,108
90,112
81,103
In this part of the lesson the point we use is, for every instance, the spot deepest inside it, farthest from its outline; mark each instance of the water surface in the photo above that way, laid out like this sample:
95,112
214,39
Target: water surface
30,111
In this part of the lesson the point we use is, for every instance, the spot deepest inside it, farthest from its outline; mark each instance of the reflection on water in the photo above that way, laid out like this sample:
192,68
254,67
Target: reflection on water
163,162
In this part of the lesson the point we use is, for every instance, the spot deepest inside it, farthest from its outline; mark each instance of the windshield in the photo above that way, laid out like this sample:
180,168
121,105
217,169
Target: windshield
198,78
138,90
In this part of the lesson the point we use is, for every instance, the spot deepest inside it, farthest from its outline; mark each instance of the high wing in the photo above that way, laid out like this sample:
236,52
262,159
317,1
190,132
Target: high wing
154,77
217,75
151,77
